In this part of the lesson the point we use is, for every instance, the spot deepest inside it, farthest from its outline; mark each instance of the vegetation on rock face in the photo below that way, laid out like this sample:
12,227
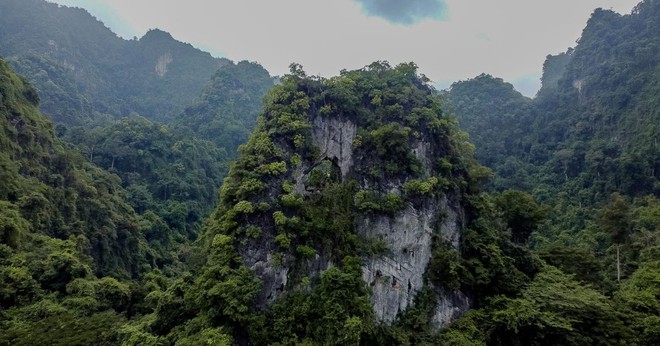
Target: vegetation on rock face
96,247
261,178
261,209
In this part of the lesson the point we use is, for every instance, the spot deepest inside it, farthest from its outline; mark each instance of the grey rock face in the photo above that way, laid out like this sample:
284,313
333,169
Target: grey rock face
450,306
398,276
422,151
334,136
273,276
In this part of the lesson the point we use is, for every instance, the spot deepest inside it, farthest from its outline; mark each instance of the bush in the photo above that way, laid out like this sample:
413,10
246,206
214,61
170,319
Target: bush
244,207
420,187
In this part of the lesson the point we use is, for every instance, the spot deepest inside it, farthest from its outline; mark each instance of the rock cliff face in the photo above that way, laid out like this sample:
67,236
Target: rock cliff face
334,137
362,169
396,277
274,277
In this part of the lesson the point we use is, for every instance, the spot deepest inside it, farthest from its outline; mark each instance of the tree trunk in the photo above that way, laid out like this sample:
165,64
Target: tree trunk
618,265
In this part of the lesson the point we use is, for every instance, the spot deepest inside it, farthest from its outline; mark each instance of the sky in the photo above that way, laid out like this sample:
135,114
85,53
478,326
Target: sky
450,40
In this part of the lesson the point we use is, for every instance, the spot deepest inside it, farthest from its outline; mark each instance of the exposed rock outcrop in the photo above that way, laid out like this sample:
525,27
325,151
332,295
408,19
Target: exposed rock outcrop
334,137
397,277
361,170
162,63
273,275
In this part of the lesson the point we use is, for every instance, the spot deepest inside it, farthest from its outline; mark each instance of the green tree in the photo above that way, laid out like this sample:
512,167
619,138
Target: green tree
521,214
615,220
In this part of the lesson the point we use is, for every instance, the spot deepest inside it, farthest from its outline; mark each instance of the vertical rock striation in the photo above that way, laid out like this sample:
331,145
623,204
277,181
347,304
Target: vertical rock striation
397,277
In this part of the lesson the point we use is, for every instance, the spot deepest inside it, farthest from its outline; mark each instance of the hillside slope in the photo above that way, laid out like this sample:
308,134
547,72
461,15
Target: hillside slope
81,67
594,127
70,245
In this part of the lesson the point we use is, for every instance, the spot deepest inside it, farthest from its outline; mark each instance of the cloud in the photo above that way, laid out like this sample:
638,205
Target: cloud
404,11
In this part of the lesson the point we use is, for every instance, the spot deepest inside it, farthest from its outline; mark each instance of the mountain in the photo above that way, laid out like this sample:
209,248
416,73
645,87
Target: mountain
109,96
492,112
174,170
587,148
592,129
70,245
80,67
57,192
352,214
225,112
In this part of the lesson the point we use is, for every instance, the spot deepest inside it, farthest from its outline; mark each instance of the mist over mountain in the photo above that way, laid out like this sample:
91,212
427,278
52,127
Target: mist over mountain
151,194
80,67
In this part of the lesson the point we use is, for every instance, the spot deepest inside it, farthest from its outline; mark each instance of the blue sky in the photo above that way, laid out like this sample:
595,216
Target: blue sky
450,40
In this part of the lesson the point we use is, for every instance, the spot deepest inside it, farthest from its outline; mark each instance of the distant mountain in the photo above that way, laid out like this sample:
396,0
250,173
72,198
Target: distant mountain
226,111
588,147
110,96
80,67
594,127
48,191
489,110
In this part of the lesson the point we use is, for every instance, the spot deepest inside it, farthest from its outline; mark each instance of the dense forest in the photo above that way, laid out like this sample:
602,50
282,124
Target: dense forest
151,194
85,72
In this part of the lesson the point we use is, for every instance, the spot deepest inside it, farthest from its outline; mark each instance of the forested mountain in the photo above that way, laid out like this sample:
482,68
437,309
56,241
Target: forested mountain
109,96
587,147
592,130
81,68
164,170
226,111
354,212
311,214
66,232
494,116
174,170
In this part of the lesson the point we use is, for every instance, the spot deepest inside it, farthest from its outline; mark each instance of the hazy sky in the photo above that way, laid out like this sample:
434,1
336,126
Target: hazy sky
450,40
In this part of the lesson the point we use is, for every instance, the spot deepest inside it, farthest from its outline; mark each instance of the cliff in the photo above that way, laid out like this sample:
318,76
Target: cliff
364,165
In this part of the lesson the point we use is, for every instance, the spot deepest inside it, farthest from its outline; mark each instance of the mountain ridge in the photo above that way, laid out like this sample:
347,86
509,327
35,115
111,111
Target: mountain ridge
157,76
